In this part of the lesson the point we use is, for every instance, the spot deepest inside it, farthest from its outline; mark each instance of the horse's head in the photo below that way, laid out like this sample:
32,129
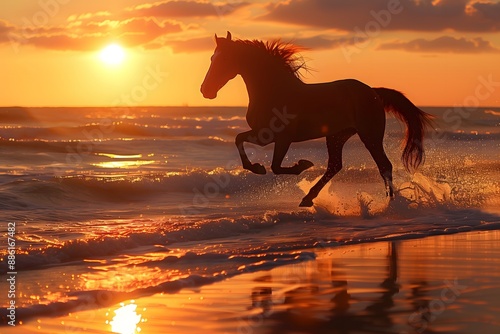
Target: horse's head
222,69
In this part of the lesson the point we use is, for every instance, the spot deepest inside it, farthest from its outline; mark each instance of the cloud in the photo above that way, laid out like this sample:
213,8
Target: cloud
487,10
139,31
66,42
187,9
151,25
5,27
147,25
6,31
322,42
191,45
444,44
414,15
199,44
91,35
85,16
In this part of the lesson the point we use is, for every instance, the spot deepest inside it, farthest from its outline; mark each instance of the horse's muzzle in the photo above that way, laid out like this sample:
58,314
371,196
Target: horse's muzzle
207,94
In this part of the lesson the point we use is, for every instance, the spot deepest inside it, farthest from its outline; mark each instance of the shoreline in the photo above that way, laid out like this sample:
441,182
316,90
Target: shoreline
437,284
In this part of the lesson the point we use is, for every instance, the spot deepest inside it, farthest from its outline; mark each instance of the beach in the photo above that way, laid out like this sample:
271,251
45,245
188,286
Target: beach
439,284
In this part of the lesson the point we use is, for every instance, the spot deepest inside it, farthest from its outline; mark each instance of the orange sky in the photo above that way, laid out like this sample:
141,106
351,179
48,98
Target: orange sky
439,52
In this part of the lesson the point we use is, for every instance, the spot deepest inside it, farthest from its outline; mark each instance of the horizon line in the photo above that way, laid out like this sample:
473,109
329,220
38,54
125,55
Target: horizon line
204,106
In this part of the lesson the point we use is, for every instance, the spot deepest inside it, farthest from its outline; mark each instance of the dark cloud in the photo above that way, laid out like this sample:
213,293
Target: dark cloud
487,10
421,15
186,9
444,44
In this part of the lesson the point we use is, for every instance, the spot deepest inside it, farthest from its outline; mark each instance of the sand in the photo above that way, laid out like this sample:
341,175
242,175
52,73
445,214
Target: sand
438,284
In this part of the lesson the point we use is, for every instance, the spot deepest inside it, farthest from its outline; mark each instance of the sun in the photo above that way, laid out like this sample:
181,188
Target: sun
112,54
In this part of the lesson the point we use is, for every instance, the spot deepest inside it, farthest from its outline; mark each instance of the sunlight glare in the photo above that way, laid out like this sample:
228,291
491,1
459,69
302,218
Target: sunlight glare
126,320
112,54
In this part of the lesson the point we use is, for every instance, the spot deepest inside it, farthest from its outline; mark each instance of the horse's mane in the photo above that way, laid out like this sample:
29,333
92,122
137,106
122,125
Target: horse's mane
286,53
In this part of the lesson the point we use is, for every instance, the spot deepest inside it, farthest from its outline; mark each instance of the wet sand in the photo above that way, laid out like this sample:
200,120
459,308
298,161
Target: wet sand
439,284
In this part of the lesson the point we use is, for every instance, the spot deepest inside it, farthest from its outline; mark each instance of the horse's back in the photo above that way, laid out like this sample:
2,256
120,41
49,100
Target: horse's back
328,108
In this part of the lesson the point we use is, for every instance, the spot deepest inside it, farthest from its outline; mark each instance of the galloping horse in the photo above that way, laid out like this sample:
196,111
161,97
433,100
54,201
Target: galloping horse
283,109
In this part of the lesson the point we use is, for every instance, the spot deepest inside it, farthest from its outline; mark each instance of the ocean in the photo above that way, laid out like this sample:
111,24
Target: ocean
108,204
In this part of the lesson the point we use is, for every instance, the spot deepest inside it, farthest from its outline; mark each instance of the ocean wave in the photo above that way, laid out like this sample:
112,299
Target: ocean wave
472,135
193,191
42,146
492,112
299,230
15,115
138,233
459,135
180,252
120,129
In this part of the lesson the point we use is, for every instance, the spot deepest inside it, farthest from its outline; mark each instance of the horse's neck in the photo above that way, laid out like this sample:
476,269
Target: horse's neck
268,85
268,90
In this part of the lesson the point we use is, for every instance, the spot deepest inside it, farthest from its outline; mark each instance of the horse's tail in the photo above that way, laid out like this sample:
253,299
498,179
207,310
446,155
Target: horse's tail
416,121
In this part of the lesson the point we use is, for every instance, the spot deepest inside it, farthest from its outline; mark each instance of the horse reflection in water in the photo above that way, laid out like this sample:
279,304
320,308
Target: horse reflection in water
305,309
283,109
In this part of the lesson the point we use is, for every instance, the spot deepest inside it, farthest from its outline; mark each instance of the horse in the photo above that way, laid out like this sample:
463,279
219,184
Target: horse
283,109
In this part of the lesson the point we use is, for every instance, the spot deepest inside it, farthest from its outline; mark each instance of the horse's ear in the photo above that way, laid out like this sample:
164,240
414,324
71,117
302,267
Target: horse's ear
228,36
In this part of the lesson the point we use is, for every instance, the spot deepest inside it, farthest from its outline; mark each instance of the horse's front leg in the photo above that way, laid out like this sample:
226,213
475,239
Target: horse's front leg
280,149
250,137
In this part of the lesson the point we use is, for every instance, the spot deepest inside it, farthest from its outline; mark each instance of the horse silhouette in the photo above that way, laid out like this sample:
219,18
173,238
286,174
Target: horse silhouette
283,109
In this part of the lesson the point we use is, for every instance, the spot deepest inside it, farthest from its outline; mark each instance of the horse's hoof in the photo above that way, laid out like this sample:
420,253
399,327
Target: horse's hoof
302,165
305,164
258,169
306,203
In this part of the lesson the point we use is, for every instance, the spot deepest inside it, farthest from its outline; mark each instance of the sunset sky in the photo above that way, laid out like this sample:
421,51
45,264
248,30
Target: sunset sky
439,52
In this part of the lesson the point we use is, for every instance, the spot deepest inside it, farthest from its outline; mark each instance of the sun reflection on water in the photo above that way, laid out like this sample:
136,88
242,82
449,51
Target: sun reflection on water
120,156
126,319
123,164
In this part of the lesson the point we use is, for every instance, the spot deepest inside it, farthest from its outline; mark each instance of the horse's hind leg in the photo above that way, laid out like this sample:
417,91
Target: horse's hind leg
376,149
334,144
